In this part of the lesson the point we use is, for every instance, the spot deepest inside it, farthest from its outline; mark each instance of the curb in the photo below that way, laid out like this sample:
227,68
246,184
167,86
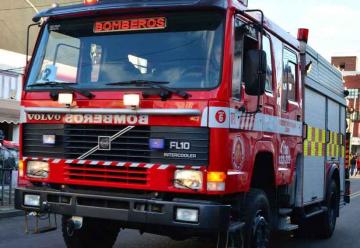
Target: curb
8,213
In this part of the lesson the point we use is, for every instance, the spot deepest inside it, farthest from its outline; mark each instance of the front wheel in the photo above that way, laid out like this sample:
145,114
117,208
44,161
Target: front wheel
257,220
94,233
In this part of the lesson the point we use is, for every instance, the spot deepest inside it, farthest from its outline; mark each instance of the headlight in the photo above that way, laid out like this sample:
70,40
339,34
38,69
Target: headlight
188,179
37,169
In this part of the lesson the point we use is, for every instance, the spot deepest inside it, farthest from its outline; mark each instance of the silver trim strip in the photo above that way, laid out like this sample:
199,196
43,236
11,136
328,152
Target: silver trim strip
95,148
189,112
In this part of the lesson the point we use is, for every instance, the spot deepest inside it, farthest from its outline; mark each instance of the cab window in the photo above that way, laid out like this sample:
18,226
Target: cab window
267,49
289,77
238,56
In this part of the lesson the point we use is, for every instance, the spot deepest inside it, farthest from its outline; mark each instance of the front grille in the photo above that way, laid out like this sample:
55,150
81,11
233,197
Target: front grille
112,174
133,146
33,144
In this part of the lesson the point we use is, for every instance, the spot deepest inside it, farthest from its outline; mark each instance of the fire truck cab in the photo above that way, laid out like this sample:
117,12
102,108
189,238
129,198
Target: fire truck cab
182,118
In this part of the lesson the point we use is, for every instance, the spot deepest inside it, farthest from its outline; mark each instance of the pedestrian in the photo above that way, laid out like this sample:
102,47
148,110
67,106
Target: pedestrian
353,164
357,166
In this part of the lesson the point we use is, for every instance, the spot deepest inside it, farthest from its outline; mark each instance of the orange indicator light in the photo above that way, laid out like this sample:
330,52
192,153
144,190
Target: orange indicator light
213,176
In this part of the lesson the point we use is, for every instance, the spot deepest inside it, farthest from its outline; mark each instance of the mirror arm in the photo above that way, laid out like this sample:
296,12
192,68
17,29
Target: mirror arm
28,39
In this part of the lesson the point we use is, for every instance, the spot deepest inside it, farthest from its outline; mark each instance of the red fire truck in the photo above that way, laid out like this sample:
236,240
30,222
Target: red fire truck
182,118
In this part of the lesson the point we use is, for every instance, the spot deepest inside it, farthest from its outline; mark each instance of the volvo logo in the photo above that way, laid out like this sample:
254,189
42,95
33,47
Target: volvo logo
104,143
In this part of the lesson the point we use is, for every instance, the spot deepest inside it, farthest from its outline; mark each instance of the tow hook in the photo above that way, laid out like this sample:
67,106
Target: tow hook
74,223
45,207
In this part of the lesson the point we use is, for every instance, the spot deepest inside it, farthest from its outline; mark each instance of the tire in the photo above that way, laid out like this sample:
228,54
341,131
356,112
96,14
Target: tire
94,233
257,220
325,223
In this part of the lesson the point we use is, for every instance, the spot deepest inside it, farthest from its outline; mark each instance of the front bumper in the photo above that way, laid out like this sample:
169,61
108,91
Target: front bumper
131,211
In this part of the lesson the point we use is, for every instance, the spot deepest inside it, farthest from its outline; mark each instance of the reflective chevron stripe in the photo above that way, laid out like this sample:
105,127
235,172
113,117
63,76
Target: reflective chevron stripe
114,163
320,143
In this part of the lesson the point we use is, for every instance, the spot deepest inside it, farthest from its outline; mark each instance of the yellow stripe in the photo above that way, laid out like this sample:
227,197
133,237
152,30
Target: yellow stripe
317,131
332,149
309,133
306,145
313,148
323,136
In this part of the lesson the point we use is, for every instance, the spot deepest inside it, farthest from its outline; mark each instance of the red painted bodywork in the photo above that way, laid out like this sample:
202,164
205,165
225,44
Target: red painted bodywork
221,139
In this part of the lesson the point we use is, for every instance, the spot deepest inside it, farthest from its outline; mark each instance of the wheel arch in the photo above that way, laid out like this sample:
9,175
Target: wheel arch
263,174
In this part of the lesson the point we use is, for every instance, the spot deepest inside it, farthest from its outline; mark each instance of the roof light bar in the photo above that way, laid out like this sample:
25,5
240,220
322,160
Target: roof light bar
90,2
303,34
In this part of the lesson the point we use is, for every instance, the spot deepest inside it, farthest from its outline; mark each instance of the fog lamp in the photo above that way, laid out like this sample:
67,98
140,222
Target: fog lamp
32,200
187,215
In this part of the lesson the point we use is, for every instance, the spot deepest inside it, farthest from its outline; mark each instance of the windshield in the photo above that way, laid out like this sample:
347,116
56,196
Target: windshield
184,49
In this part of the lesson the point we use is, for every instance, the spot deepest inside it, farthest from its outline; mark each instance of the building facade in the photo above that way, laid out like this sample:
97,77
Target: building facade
11,68
350,67
15,16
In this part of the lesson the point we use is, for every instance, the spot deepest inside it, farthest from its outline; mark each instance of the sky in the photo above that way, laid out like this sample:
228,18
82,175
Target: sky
334,24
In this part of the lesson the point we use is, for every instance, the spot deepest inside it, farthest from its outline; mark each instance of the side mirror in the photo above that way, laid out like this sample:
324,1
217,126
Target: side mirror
255,72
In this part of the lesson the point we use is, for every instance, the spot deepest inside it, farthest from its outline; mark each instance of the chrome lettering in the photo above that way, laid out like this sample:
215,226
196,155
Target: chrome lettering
119,119
131,119
143,119
44,117
107,119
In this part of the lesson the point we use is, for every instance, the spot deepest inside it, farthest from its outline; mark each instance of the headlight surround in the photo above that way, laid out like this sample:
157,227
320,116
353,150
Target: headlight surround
188,179
37,169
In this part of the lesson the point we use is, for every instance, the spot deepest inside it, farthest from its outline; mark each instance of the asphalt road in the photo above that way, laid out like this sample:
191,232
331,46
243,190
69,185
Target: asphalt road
346,234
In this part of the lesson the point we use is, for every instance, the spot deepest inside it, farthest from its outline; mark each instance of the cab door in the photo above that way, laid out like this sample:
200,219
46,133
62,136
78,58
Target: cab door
291,115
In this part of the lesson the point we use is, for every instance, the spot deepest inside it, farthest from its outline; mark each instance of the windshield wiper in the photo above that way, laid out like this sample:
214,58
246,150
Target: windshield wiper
66,86
179,182
154,84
